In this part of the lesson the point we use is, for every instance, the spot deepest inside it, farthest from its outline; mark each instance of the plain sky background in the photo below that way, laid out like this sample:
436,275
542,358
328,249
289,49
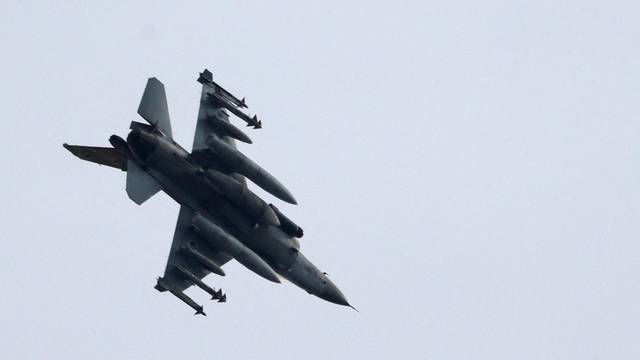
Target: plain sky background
467,173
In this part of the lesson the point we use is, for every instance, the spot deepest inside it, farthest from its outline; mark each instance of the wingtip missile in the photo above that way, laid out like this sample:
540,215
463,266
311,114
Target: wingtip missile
206,77
234,107
200,311
164,285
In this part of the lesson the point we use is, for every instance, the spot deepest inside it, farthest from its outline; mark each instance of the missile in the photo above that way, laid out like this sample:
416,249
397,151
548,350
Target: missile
257,124
244,198
241,164
198,282
222,240
204,261
182,296
207,78
226,128
220,101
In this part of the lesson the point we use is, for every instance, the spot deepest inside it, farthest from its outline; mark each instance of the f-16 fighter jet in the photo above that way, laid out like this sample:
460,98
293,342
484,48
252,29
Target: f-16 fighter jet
220,217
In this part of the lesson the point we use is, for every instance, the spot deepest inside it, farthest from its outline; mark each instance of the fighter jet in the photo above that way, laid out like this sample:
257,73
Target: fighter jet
220,218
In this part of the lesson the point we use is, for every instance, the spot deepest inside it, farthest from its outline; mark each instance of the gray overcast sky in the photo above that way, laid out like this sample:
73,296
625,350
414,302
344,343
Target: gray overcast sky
467,173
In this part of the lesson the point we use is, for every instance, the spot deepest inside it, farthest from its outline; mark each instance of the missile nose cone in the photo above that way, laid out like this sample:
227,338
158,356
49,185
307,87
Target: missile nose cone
332,294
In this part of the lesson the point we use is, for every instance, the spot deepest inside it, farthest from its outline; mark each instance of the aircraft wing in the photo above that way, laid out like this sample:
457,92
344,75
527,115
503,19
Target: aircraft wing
214,120
188,256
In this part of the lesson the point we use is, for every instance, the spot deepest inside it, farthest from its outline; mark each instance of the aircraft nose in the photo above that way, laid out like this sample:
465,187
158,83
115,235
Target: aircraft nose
332,294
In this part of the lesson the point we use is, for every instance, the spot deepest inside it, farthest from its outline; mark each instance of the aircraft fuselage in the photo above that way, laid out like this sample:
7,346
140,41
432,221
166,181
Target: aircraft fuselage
186,181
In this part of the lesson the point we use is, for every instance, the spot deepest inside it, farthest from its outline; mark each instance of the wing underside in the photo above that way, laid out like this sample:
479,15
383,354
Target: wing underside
209,116
189,255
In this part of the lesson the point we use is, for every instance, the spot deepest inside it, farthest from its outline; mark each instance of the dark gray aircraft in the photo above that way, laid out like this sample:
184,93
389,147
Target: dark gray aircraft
220,218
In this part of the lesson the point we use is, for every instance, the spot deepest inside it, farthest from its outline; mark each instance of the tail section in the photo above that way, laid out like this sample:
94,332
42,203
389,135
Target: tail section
140,185
153,106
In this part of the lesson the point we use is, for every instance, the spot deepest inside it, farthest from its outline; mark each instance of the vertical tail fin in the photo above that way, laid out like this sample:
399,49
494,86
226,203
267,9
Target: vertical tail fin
153,106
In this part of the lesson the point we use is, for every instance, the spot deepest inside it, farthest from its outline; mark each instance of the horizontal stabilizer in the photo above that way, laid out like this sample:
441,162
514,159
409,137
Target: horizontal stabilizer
99,155
140,185
153,106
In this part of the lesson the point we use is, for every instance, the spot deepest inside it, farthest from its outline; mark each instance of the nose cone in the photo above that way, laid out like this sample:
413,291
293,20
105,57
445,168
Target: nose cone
332,294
